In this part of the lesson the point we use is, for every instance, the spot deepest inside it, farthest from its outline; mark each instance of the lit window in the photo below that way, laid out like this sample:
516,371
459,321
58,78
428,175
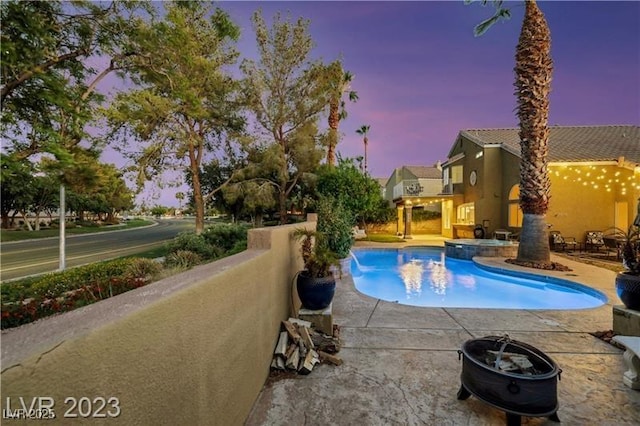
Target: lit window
515,212
456,174
466,213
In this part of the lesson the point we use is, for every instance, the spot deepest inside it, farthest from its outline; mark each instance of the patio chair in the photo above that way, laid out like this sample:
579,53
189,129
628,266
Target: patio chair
358,233
558,242
594,240
501,234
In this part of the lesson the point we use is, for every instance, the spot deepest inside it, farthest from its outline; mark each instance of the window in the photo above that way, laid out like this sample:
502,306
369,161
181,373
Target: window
466,213
456,174
445,176
447,210
515,212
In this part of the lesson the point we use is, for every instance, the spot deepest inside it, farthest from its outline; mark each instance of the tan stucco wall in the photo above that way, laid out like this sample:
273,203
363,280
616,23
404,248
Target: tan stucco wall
575,208
192,349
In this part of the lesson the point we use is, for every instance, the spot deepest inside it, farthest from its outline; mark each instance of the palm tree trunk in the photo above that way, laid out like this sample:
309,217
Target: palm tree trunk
533,84
366,144
334,120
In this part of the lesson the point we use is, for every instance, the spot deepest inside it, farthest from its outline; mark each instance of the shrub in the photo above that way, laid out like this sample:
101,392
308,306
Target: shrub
141,268
182,259
189,241
88,224
27,300
336,223
225,236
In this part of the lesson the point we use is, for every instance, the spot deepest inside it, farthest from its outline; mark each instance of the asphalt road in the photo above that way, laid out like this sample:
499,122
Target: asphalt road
32,257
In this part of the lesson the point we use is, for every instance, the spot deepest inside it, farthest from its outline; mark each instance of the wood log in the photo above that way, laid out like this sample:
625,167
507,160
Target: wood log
302,348
293,361
291,329
309,362
282,345
333,359
292,347
277,363
304,332
324,343
299,322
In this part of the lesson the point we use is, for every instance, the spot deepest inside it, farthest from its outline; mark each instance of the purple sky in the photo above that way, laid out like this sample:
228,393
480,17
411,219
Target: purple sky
422,76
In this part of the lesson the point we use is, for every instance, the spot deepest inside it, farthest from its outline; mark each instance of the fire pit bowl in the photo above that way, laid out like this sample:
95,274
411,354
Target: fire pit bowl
512,376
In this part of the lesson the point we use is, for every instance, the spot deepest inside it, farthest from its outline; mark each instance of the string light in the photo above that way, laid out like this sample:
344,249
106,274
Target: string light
598,177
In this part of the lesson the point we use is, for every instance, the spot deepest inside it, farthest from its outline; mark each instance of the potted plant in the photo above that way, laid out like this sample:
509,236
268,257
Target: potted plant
316,283
335,223
628,281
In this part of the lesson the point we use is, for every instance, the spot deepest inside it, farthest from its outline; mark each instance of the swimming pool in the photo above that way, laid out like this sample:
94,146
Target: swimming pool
423,276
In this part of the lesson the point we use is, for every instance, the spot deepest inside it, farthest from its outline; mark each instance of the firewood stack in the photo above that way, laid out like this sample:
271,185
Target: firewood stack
300,347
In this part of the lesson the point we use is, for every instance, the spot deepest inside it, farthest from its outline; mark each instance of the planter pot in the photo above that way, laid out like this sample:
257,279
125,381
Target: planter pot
628,288
345,268
315,293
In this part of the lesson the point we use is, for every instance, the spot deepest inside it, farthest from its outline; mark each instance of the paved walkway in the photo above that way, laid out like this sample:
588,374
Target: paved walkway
401,364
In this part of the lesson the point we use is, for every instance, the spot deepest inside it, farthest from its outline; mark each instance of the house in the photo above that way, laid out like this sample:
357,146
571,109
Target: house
411,188
594,173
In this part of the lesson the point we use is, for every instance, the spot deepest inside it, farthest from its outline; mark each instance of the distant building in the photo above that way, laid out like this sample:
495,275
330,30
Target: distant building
594,173
413,187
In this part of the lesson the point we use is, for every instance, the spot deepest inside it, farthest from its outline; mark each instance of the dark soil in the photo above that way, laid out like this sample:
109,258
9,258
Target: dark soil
548,266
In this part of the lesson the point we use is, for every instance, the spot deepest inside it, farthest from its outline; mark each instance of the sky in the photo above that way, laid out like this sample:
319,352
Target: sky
422,76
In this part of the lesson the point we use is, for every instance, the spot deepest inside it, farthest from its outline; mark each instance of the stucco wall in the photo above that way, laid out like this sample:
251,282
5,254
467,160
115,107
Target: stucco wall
194,348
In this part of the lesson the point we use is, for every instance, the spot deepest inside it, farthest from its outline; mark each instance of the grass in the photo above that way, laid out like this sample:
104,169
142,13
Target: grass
7,235
153,253
383,238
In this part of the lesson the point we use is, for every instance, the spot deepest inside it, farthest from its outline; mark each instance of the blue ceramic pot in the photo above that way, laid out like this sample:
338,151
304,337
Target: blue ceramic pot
628,289
315,293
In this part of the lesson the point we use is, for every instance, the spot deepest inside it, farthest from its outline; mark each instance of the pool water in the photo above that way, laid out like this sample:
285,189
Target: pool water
423,276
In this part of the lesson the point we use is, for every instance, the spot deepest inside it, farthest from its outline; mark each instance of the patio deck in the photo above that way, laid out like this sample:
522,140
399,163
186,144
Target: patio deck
401,364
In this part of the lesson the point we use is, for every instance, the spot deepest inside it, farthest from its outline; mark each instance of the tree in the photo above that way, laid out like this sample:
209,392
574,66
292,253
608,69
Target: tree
286,92
45,197
357,192
533,72
363,131
48,84
187,104
340,83
16,187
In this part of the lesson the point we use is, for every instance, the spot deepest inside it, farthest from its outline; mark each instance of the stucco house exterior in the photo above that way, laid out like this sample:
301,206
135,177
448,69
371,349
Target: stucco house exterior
414,187
594,173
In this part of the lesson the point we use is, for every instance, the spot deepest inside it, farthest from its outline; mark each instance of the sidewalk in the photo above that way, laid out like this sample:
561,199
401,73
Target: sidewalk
401,364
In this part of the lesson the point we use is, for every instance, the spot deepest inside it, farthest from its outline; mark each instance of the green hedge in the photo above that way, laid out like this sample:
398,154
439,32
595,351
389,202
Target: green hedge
30,299
27,300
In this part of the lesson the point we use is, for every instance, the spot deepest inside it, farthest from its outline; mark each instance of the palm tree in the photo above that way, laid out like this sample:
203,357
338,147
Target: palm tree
533,84
340,84
363,131
533,72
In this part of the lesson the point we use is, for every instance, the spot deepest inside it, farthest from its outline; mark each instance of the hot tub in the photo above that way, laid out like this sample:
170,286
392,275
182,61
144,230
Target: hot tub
466,249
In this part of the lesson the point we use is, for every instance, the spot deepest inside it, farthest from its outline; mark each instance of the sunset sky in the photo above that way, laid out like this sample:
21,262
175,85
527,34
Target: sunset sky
422,76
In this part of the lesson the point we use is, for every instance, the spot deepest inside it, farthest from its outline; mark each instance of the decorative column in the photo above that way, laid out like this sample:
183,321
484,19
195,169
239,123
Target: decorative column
400,220
408,208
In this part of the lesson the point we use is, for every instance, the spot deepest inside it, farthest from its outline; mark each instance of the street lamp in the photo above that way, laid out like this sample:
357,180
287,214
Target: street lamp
62,219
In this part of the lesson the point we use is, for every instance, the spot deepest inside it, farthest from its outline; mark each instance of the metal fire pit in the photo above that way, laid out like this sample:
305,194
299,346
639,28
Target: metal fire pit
533,394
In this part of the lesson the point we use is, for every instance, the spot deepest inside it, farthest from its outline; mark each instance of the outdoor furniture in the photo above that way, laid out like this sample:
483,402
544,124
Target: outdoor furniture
594,240
358,233
631,377
501,234
614,244
614,239
558,242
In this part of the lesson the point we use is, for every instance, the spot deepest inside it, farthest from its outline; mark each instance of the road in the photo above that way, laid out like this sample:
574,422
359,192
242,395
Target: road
32,257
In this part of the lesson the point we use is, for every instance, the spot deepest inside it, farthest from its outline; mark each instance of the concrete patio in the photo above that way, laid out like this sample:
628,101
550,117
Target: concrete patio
401,363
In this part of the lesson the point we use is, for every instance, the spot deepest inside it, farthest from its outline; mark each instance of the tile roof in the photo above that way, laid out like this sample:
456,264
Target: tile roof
571,143
425,172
